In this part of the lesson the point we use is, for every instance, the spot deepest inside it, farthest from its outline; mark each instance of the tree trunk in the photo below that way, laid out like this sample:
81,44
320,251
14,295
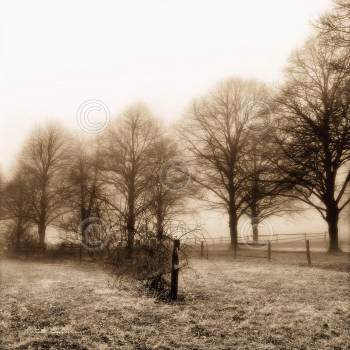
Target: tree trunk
233,223
332,220
255,227
42,233
255,199
18,236
130,225
130,240
160,227
131,233
160,232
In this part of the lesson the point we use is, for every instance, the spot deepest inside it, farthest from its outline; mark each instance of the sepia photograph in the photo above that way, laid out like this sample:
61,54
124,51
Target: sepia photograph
175,175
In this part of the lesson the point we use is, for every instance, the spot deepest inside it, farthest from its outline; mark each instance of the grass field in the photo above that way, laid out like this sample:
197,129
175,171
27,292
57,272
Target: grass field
228,304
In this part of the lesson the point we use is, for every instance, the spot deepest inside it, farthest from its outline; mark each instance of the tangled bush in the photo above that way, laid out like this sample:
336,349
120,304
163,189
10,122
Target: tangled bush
148,259
20,241
150,263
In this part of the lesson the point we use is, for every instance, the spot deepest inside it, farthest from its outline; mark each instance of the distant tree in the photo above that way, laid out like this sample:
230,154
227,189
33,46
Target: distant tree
85,187
44,160
16,207
215,134
314,135
169,185
127,151
263,194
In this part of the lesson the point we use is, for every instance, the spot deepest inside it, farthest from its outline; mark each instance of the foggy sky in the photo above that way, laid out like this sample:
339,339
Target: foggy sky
54,55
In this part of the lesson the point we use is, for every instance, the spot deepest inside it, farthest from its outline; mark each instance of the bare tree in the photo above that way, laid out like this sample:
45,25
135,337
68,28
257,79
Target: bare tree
169,185
44,160
314,135
16,206
215,134
334,26
128,148
85,187
263,194
334,33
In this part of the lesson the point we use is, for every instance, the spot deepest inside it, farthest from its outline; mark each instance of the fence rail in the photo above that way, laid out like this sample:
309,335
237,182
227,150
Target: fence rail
266,247
288,237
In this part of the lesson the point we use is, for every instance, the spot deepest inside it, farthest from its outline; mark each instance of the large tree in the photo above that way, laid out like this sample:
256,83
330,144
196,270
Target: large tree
215,135
85,188
128,148
169,185
263,196
314,132
44,161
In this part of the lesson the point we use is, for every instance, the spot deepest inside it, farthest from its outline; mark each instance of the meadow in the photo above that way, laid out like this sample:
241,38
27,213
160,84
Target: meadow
224,304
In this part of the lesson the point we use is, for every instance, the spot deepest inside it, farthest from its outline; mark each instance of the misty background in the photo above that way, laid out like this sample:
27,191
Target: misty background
56,55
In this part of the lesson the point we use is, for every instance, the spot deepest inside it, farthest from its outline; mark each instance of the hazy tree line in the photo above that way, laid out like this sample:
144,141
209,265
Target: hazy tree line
251,151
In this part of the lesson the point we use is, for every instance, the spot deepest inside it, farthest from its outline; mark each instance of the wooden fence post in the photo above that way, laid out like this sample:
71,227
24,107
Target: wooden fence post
202,249
175,270
80,253
269,250
308,252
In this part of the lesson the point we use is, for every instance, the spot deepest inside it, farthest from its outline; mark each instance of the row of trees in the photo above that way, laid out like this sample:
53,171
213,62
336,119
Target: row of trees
250,151
300,151
115,178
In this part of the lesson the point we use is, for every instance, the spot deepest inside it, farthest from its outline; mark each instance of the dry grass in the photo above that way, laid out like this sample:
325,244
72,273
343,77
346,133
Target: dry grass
229,305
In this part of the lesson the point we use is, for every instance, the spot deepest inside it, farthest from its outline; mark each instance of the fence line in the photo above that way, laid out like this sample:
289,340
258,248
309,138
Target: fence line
288,237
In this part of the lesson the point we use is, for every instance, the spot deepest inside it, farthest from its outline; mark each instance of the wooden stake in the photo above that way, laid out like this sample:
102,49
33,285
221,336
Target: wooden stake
308,256
269,250
175,270
202,249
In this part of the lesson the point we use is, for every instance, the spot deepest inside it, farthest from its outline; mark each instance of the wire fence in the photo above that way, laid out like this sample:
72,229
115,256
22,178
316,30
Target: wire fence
295,247
292,247
293,241
263,238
